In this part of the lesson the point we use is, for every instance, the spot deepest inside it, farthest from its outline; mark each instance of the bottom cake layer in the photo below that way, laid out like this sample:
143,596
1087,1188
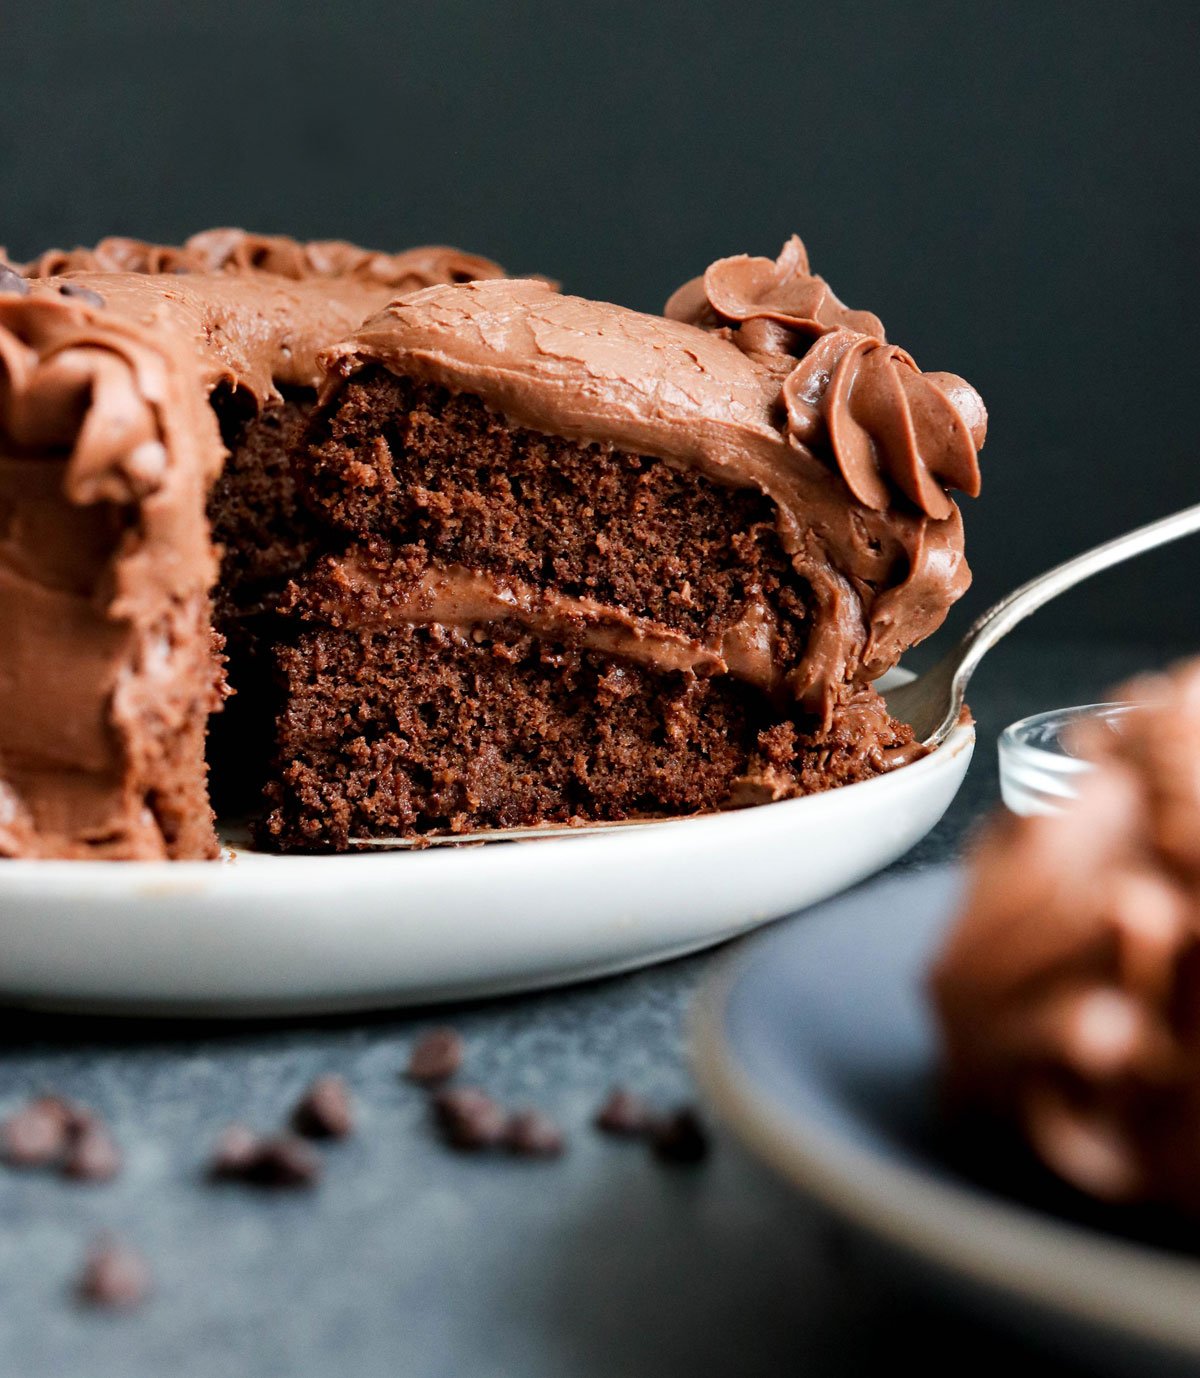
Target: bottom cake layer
420,728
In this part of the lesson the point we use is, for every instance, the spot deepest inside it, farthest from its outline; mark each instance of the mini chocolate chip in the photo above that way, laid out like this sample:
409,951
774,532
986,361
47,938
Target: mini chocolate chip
532,1134
680,1138
93,1156
234,1150
469,1119
283,1161
278,1161
12,281
326,1110
113,1276
77,289
625,1114
39,1133
436,1056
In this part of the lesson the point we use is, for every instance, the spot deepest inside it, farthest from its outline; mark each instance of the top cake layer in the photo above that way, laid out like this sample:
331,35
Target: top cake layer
854,446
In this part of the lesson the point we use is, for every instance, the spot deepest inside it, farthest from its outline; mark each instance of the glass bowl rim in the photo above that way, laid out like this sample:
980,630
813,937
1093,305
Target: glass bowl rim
1014,738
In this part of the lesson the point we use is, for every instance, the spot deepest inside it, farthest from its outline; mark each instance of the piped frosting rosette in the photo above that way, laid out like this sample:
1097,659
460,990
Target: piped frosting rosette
890,429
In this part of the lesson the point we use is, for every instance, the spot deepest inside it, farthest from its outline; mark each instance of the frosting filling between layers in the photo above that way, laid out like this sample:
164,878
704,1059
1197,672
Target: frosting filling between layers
354,592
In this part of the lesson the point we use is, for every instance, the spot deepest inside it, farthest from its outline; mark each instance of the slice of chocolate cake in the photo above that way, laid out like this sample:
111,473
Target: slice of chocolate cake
592,565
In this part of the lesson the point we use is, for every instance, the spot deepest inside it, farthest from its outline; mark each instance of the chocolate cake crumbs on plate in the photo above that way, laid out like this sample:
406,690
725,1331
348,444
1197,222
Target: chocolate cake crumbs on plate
395,546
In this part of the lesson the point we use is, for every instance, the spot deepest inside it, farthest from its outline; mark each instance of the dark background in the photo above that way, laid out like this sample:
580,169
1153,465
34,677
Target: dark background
1014,189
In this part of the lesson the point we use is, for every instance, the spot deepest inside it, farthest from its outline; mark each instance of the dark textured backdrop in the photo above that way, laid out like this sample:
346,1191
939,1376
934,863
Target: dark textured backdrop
1014,189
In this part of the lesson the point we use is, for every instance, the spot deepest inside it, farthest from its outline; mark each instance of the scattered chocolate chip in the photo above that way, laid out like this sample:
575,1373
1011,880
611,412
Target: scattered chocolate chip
93,1156
325,1111
532,1134
12,281
283,1161
469,1119
33,1136
76,289
278,1161
113,1276
680,1138
625,1114
42,1131
436,1056
234,1151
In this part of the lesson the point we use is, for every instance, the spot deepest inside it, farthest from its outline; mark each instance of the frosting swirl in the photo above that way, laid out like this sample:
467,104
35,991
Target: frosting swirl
239,251
107,448
783,290
1069,991
888,427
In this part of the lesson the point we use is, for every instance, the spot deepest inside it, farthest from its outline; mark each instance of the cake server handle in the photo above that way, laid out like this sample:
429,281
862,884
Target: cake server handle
933,703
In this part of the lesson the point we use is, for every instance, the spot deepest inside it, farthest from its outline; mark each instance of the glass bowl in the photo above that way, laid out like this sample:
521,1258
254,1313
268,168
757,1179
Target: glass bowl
1040,771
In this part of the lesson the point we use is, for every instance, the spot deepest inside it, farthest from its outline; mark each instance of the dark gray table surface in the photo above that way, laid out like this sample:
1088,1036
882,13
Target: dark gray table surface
413,1261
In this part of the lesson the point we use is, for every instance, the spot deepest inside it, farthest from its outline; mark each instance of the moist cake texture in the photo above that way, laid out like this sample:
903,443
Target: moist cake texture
1068,992
472,553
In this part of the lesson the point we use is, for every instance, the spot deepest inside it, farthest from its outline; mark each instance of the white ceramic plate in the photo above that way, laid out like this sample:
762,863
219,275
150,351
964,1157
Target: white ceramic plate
263,935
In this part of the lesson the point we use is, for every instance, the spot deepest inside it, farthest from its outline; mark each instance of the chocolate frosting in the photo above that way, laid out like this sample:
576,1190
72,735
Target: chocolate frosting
107,449
237,251
1069,990
888,427
98,615
733,291
882,577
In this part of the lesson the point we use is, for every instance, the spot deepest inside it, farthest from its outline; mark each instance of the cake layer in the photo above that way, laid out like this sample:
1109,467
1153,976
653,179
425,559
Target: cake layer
264,532
265,536
424,727
412,463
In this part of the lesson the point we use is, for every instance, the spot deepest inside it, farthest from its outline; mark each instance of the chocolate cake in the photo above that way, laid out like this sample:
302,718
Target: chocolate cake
1068,992
496,556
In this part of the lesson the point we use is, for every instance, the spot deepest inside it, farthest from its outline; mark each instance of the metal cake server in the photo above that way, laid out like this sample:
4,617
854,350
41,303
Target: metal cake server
933,703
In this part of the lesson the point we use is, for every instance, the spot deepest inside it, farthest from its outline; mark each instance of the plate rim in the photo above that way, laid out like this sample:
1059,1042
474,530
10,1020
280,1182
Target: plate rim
1008,1247
265,872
